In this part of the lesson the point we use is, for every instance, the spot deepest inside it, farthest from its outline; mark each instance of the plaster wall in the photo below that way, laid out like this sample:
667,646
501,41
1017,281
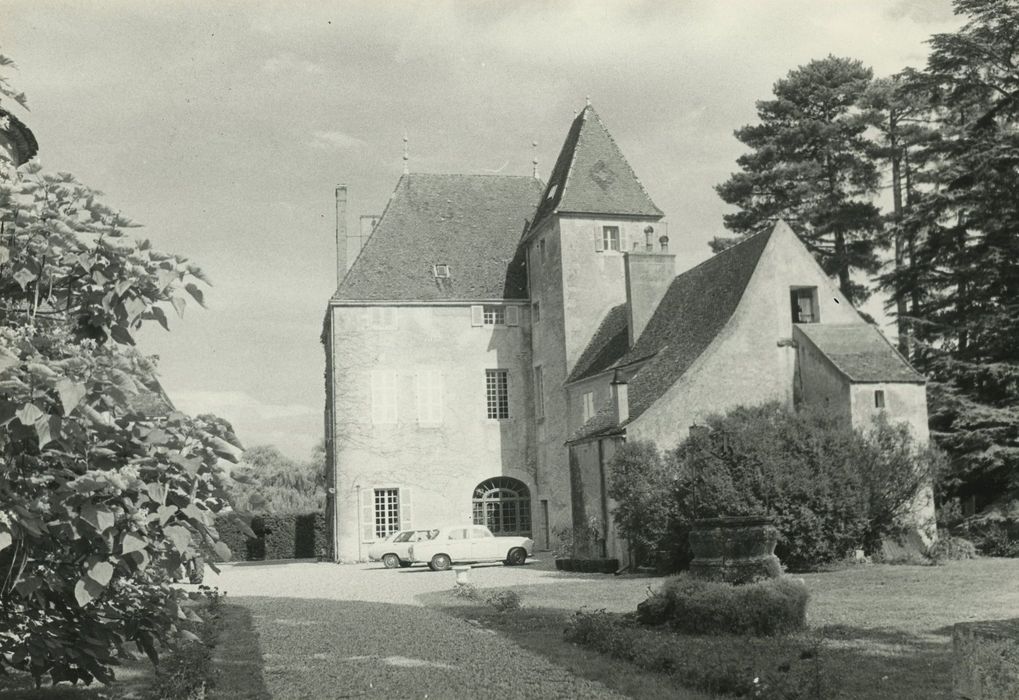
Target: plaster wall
436,465
547,343
818,383
751,360
592,507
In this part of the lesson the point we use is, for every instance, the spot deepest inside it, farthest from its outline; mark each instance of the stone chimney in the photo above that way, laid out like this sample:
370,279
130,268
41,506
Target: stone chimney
341,232
620,398
648,276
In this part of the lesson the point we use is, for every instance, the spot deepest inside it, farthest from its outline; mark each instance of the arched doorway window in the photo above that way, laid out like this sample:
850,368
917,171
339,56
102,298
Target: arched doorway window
503,505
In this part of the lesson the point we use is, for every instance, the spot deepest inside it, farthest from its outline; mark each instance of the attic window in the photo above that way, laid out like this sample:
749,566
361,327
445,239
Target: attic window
440,271
804,305
610,237
879,398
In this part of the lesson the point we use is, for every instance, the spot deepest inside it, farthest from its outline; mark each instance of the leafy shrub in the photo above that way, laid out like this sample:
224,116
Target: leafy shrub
638,481
186,673
504,601
588,566
276,535
950,548
236,532
773,668
691,605
467,591
296,535
995,531
828,488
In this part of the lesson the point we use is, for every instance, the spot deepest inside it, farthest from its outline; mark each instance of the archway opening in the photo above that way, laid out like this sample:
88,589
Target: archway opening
503,505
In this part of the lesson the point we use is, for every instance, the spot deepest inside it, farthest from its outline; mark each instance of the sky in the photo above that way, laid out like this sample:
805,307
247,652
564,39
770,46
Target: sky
224,127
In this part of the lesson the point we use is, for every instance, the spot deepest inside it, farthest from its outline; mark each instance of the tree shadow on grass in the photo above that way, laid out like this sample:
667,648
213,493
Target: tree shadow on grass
237,657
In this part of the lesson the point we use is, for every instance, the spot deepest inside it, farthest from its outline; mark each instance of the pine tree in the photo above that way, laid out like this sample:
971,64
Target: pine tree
966,260
809,166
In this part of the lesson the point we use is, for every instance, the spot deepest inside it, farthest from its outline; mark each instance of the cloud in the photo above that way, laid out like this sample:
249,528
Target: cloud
236,405
336,140
290,63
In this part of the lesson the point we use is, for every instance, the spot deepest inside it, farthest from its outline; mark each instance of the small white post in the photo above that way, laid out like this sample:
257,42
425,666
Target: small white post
462,574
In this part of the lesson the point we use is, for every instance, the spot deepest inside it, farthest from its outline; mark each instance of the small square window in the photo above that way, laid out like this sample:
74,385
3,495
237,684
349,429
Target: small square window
610,237
441,271
494,316
879,399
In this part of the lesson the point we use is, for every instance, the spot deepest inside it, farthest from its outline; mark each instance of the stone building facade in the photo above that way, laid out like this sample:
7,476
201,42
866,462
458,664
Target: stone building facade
494,339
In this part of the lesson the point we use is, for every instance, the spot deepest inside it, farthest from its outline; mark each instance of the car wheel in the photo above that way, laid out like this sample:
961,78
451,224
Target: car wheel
391,561
440,562
516,556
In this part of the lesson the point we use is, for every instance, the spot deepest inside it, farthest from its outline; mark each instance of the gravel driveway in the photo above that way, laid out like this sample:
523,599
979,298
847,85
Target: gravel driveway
353,630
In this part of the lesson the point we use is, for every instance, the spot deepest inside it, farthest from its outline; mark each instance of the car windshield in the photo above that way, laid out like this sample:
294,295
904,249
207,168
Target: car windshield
404,536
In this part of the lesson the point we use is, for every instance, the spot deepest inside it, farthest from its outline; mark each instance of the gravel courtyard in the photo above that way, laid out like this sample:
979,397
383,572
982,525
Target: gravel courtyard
373,583
337,631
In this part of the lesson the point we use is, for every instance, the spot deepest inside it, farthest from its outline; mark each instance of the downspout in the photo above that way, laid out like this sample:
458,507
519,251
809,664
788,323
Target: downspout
357,508
604,501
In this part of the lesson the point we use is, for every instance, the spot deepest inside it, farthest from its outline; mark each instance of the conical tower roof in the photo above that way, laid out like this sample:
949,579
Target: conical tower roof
591,176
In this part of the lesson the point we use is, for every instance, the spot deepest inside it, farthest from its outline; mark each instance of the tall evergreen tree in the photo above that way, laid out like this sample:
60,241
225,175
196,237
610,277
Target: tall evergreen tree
809,166
903,139
967,248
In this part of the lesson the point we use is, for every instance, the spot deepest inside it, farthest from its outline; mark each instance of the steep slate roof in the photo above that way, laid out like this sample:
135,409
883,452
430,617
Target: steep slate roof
609,343
591,176
693,311
860,352
473,223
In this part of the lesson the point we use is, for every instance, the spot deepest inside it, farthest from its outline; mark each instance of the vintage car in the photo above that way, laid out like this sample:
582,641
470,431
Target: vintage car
393,551
471,543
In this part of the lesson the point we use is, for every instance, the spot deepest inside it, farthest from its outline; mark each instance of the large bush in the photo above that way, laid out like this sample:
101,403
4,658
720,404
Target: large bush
275,536
106,493
686,604
639,481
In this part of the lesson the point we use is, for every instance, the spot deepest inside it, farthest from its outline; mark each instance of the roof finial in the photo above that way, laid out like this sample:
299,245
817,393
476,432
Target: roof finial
406,156
588,100
534,160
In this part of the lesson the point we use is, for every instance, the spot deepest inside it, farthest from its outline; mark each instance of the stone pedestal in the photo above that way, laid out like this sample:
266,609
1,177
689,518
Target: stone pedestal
734,549
985,662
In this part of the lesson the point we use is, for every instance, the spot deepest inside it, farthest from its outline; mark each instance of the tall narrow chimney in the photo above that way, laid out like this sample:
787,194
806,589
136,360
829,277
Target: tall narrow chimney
341,232
648,276
620,398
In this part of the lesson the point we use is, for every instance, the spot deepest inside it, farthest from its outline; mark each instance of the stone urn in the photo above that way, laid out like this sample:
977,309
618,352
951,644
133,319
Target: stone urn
734,549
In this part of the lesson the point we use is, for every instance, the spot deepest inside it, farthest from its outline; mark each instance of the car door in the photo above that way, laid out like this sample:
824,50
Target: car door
484,545
458,544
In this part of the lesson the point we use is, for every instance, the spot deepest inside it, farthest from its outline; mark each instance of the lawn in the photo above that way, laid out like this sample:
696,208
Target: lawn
886,630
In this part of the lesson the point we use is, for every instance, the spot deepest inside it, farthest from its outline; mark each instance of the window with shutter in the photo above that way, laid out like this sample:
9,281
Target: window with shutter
512,315
387,512
406,518
599,242
477,315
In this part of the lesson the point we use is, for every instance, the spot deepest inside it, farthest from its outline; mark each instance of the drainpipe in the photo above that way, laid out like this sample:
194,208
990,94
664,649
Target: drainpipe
357,510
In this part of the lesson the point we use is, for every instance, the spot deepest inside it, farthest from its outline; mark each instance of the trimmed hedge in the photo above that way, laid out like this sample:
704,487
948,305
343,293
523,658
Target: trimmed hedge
277,536
777,668
687,604
588,566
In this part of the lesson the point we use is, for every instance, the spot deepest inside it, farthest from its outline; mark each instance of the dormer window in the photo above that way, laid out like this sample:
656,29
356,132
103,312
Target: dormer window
804,305
440,271
552,189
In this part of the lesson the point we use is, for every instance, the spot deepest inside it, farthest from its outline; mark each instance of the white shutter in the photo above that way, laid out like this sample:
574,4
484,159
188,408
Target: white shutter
477,315
366,317
405,509
367,515
599,242
512,315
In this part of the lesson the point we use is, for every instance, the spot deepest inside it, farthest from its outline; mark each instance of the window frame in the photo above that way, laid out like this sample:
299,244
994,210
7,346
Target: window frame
389,500
880,401
497,394
800,291
607,238
588,399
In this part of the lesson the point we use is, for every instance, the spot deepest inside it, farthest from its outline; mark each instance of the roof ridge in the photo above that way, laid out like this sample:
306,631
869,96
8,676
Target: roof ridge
721,253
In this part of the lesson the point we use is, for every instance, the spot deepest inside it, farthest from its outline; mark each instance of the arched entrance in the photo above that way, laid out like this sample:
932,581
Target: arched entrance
503,505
